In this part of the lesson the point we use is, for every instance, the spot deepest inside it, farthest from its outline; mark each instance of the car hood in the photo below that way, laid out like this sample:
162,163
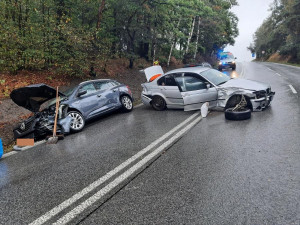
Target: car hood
245,84
33,96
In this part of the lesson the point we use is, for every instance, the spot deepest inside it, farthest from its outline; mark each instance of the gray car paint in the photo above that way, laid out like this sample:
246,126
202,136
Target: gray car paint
99,102
217,95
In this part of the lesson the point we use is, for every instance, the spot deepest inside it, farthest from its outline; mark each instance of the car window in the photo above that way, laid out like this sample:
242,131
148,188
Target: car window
90,88
191,82
103,85
167,80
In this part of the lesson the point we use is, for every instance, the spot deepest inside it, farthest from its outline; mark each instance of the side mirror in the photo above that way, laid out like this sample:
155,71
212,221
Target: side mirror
80,93
208,86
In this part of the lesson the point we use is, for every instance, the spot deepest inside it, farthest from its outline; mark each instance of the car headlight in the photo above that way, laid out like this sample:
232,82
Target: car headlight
220,63
260,94
233,62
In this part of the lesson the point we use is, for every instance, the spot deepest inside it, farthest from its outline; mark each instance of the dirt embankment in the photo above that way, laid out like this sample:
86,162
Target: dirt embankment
11,114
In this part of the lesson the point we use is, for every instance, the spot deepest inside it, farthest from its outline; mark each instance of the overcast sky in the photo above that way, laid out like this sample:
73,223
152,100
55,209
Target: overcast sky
251,14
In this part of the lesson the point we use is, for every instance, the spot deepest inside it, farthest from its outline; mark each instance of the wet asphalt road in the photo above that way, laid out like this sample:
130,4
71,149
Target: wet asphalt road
220,172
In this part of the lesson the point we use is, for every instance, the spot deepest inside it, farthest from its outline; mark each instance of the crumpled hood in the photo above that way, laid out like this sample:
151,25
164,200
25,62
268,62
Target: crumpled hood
245,84
33,96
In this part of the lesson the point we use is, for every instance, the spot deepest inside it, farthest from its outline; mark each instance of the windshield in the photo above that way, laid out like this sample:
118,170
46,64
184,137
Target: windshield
227,56
215,76
69,92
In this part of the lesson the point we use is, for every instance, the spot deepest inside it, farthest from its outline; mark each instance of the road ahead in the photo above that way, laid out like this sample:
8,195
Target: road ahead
217,172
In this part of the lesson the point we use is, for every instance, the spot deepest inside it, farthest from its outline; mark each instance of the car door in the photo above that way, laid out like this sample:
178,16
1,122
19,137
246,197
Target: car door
87,103
169,88
108,94
195,92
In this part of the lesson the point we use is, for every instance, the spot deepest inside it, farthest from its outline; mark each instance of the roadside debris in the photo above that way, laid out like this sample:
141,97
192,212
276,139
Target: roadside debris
239,112
204,109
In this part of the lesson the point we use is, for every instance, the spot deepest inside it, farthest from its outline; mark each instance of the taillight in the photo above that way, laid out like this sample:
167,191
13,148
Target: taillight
129,91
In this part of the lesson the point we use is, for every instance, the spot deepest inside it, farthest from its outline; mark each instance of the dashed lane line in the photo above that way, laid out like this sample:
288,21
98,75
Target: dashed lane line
293,89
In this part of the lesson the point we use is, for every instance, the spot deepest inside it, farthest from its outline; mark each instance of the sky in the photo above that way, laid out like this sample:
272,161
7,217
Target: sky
251,14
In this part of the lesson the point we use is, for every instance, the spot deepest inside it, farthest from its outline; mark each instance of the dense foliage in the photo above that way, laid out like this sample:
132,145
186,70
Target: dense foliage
280,32
72,35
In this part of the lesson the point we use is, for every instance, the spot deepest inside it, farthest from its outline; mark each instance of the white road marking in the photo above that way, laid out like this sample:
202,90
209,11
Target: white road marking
107,176
270,69
278,74
123,177
293,89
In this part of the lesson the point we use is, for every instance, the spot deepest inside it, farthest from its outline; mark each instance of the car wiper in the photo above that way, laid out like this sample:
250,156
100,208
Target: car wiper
222,83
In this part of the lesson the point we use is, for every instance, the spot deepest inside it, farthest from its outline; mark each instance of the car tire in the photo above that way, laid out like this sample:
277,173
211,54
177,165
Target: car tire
243,114
127,104
233,68
78,121
220,68
158,103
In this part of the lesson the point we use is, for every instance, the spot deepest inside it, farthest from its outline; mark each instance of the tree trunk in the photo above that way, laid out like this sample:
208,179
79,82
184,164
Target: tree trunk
197,39
190,36
173,44
100,14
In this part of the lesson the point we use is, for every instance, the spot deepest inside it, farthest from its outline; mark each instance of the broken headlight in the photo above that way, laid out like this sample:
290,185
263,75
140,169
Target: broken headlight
260,94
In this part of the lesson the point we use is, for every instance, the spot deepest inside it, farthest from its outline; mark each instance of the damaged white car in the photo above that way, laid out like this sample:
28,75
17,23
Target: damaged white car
189,88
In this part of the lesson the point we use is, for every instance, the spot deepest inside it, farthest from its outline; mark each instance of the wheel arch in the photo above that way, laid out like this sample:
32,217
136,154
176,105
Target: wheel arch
74,109
160,95
235,99
125,94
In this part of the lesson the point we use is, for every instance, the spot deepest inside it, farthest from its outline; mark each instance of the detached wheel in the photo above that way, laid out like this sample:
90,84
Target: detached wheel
158,103
242,114
126,103
77,122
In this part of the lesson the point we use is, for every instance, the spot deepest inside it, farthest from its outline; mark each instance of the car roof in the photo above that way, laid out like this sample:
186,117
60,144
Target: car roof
90,81
197,69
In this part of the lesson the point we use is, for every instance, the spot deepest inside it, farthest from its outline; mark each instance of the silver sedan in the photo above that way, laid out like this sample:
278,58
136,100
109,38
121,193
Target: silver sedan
189,88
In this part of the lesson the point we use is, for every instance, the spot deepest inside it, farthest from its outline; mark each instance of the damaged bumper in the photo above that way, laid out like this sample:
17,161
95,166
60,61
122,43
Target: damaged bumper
146,99
260,104
32,128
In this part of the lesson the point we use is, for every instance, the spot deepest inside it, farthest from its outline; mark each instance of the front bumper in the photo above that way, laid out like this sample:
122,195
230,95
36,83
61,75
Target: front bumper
30,129
262,103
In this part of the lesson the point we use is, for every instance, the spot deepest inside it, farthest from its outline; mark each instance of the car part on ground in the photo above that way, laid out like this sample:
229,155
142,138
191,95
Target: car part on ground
187,88
239,111
79,104
241,114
